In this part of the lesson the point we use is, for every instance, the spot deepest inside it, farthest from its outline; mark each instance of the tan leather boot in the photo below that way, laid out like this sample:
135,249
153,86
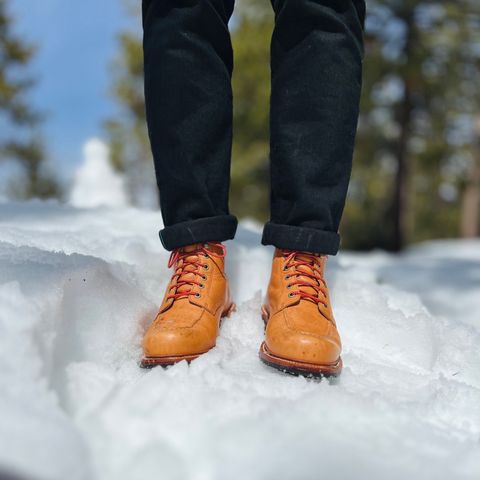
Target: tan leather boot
300,336
196,299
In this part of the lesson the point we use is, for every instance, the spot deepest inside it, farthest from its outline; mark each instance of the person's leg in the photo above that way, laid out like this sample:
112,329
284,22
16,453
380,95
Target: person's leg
316,63
188,65
316,78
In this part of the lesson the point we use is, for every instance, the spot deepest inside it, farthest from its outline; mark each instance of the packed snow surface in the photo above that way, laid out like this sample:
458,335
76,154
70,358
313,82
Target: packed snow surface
78,287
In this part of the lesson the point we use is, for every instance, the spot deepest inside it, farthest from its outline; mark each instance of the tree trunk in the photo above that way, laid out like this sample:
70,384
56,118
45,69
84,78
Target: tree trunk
400,201
401,189
470,213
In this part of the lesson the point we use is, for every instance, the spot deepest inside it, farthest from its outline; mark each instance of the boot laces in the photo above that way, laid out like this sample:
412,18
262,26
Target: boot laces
190,268
306,276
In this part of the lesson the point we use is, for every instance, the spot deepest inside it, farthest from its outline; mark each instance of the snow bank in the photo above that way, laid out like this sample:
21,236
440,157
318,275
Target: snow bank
77,288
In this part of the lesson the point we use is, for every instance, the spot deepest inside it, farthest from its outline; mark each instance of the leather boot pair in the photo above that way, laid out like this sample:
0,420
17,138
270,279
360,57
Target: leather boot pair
300,334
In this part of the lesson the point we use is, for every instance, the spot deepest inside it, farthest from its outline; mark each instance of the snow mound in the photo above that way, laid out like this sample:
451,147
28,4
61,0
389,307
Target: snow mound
78,287
96,183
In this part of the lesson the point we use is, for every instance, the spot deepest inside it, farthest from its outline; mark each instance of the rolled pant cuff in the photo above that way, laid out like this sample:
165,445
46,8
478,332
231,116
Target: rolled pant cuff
301,238
210,229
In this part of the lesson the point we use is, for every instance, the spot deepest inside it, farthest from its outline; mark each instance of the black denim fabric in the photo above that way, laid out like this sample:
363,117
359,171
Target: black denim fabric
316,64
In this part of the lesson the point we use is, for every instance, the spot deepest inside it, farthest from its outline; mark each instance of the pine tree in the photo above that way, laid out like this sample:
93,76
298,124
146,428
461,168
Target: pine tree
20,140
127,132
417,93
251,32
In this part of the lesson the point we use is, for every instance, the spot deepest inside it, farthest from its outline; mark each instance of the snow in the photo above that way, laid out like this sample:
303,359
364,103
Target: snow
78,287
96,183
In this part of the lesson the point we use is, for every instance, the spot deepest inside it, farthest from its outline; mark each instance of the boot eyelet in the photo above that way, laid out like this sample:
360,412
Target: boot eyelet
291,294
289,285
205,266
198,295
201,285
285,268
204,277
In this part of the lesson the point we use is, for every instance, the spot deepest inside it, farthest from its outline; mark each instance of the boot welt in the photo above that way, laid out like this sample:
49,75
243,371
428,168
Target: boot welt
295,367
150,362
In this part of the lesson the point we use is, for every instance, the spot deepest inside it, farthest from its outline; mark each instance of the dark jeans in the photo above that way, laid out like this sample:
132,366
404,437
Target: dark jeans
316,64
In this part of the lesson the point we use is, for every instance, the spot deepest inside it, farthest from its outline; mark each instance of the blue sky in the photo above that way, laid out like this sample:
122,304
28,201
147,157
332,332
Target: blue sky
76,44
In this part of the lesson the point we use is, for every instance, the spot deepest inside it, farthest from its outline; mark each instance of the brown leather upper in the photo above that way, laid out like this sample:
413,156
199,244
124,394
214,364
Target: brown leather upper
196,297
301,326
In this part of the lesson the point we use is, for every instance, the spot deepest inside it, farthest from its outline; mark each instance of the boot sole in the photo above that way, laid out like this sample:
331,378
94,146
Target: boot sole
166,361
294,367
150,362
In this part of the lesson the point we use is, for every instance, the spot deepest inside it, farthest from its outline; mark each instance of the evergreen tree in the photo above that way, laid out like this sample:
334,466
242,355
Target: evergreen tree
129,145
19,138
251,32
407,168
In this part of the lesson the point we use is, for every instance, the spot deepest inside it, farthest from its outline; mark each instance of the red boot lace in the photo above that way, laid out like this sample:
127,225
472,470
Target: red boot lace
190,268
308,279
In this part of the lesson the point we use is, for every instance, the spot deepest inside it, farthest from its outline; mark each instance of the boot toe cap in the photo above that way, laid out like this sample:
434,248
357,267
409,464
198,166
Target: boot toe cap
174,342
302,346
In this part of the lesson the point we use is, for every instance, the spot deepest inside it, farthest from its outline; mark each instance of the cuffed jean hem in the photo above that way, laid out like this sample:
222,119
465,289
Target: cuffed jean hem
210,229
301,238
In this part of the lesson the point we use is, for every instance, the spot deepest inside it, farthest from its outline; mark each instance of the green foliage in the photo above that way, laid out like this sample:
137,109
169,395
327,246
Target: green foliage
127,132
251,92
128,90
19,140
422,58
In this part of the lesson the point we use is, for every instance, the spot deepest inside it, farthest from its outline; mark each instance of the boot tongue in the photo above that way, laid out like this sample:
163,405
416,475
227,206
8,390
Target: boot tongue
215,248
212,247
191,248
